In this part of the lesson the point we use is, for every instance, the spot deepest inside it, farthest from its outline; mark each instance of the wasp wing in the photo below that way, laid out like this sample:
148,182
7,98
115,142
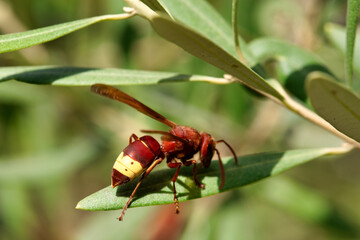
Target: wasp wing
116,94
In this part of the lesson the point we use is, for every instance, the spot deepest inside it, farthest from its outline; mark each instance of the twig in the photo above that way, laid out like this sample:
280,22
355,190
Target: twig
304,112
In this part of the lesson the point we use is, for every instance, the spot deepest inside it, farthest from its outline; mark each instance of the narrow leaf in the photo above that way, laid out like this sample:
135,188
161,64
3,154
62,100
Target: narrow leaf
157,188
203,18
76,76
16,41
155,5
335,103
206,50
351,24
203,48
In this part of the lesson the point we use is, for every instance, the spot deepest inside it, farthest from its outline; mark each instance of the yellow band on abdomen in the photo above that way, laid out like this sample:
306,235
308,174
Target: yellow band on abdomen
128,166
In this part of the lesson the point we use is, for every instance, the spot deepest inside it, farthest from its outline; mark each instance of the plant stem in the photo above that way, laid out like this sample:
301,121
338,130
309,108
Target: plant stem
316,119
235,31
120,16
302,111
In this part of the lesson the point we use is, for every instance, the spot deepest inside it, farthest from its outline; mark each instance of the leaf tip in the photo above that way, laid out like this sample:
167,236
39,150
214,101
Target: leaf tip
78,206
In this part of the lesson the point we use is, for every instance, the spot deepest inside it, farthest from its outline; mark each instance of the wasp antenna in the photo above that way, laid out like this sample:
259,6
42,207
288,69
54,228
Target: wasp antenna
222,171
231,149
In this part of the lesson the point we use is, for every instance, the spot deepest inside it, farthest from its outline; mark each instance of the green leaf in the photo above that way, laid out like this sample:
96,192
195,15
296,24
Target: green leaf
203,18
76,76
293,63
351,24
206,50
155,5
335,103
337,36
157,187
47,165
16,41
203,48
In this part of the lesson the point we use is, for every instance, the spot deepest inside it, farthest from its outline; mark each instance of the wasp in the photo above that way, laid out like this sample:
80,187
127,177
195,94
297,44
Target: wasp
178,146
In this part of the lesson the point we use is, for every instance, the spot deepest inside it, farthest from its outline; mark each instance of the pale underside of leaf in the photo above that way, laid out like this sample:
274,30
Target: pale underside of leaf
203,48
157,187
202,17
335,103
76,76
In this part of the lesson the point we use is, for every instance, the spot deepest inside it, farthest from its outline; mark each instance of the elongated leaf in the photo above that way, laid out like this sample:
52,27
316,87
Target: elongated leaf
155,5
351,24
75,76
294,63
337,35
203,18
335,103
16,41
203,48
157,189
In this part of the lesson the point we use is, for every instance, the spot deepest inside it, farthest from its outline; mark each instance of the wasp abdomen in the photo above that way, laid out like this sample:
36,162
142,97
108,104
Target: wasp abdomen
134,160
139,151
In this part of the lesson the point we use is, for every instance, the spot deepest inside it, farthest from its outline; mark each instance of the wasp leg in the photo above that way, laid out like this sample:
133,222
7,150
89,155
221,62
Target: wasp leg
199,184
134,137
222,171
156,162
175,165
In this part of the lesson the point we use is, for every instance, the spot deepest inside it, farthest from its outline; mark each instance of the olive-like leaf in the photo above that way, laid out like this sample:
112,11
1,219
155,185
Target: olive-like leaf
157,187
335,103
155,5
76,76
352,19
203,48
293,63
203,18
16,41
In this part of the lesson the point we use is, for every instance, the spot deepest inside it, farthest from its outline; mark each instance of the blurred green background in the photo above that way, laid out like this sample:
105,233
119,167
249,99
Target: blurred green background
58,144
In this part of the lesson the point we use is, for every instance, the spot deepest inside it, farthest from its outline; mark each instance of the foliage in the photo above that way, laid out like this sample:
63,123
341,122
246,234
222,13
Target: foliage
38,123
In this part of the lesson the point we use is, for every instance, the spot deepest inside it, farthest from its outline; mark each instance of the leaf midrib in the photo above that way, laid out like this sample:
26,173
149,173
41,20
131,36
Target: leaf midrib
330,91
